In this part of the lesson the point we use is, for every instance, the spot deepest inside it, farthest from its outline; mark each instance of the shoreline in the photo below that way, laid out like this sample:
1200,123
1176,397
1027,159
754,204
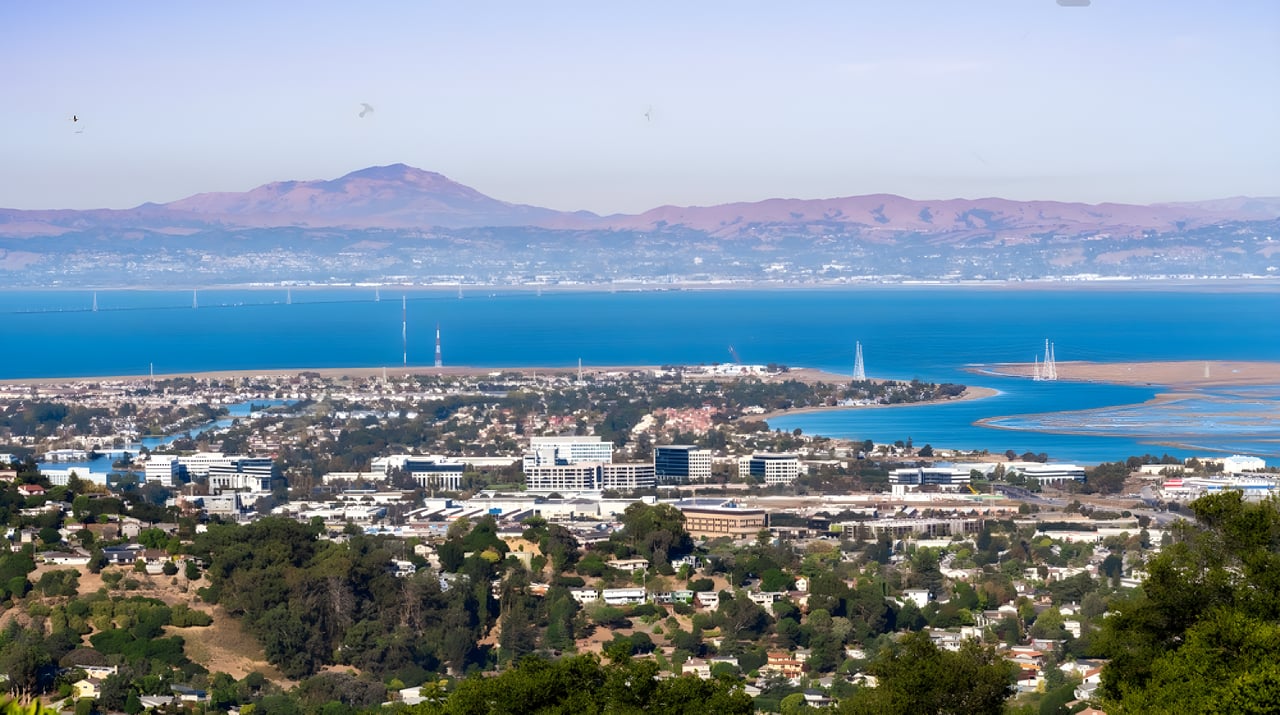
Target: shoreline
802,374
1126,283
971,392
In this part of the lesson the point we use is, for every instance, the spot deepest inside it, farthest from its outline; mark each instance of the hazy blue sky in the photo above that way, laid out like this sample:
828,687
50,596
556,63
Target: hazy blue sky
544,102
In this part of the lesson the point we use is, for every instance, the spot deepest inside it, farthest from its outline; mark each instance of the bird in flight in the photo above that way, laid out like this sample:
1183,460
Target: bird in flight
75,121
647,112
365,109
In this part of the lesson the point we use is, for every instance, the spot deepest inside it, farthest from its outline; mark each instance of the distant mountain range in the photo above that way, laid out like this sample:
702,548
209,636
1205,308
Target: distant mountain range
398,223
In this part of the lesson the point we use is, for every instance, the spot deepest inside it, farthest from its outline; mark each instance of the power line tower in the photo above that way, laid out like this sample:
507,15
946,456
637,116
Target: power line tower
859,369
1049,371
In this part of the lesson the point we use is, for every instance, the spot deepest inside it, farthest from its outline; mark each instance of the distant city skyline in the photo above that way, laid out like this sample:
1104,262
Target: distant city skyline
621,109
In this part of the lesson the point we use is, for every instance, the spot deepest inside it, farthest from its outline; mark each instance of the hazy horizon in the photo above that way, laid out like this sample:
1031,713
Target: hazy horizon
1115,102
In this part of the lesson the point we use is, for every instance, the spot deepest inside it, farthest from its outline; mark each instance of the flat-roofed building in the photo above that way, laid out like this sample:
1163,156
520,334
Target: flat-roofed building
590,477
680,463
627,476
562,478
772,467
712,518
947,477
241,474
198,464
162,469
436,472
547,451
1048,472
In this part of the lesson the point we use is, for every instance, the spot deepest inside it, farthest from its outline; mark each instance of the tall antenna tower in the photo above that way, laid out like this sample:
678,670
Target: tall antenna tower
95,307
404,328
195,303
579,369
1035,372
859,369
439,360
288,296
377,295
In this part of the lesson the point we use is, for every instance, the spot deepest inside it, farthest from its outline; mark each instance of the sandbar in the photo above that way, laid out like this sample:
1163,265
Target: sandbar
1180,374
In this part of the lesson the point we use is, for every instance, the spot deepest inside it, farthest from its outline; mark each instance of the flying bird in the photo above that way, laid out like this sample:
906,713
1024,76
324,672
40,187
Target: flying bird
365,109
647,112
75,121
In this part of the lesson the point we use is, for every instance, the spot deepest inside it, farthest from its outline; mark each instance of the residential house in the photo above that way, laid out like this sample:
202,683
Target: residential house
87,688
698,667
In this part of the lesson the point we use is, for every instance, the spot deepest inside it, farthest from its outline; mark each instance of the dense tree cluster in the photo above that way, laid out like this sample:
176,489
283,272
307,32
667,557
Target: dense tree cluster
915,677
313,603
1203,634
581,685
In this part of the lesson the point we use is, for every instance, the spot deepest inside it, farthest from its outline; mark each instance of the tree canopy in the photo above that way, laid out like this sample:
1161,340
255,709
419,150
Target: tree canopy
1203,635
581,685
915,677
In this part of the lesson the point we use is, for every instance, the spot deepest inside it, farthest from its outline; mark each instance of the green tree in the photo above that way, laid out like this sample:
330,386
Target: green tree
1203,634
918,678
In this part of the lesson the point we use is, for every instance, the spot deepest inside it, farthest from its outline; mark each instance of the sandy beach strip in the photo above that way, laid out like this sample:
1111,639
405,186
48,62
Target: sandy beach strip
1178,374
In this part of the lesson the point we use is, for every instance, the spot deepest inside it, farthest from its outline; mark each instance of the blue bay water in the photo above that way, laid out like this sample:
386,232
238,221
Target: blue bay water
930,333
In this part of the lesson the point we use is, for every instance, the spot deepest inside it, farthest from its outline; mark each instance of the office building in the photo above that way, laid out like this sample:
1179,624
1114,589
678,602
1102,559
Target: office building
163,469
713,518
773,468
241,474
547,451
680,463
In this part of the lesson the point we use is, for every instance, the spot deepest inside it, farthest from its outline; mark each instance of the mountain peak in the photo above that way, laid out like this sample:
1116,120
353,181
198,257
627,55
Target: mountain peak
391,196
391,172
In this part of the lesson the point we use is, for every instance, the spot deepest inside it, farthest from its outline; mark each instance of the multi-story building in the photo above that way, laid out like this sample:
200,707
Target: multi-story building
198,464
241,474
546,451
1048,472
772,467
627,476
680,463
943,476
436,472
163,469
590,477
430,471
713,518
562,478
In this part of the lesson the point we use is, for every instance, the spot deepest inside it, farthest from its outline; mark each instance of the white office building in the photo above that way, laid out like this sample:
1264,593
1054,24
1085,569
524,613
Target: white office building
947,477
62,477
1047,472
627,476
163,469
198,464
1239,463
241,474
773,468
545,451
590,477
562,478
